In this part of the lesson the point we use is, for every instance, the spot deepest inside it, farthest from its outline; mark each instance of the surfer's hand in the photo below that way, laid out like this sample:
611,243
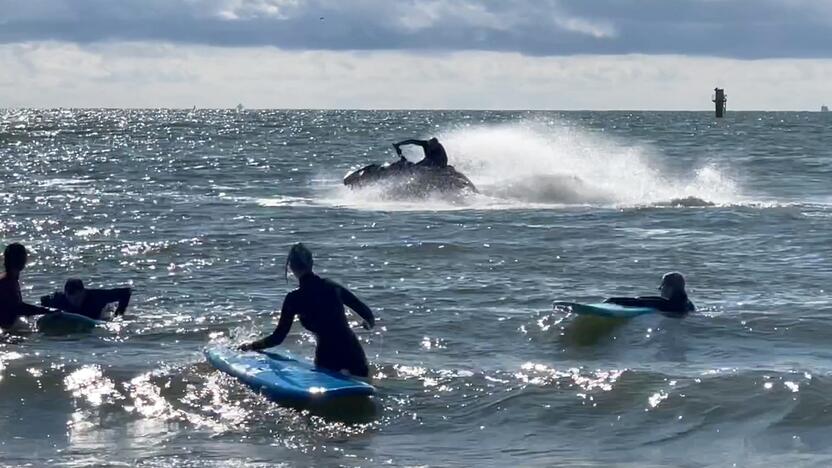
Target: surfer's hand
246,347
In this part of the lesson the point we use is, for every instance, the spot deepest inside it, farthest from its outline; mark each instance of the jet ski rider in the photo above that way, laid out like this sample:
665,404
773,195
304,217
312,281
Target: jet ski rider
435,155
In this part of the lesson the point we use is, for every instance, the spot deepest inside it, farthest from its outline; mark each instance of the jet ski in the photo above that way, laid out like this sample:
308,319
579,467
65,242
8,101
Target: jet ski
411,180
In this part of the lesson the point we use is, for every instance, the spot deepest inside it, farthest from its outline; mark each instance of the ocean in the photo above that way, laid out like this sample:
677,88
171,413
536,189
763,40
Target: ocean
196,211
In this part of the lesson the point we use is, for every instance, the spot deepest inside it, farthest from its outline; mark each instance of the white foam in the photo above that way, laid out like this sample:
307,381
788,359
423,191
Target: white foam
282,201
555,163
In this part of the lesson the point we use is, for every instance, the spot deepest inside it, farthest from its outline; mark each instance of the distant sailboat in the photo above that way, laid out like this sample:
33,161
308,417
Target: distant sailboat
824,108
240,108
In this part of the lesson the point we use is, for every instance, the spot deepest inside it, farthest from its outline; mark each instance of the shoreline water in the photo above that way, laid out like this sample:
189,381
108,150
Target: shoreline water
473,366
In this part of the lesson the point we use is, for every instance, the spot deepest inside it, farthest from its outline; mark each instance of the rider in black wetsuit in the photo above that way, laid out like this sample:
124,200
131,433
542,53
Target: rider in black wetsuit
673,300
12,306
435,155
319,303
87,302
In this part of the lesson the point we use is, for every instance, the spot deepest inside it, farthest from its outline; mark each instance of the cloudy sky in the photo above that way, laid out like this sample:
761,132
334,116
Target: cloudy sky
491,54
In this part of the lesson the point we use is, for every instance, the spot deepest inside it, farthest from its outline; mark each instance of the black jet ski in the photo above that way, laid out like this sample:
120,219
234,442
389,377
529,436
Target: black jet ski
411,180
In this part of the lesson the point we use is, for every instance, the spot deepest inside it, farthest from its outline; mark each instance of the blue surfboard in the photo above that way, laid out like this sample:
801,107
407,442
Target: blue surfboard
605,310
65,322
283,378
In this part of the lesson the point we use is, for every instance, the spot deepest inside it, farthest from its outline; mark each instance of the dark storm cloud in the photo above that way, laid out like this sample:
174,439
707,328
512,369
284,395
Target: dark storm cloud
731,28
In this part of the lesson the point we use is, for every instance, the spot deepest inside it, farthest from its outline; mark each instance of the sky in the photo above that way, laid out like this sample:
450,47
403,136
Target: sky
416,54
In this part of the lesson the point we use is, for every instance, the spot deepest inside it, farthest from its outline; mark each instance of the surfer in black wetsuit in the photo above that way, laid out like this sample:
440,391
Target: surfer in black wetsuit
673,300
87,302
435,155
11,301
319,303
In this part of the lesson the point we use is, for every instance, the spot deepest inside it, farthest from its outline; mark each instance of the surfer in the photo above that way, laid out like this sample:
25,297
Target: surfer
672,301
87,302
435,155
12,306
319,303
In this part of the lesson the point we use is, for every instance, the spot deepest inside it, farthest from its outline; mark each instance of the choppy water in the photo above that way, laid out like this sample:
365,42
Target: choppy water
196,210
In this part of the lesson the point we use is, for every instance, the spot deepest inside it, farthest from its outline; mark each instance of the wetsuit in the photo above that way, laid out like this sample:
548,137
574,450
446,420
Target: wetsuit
95,300
435,155
679,304
11,302
319,303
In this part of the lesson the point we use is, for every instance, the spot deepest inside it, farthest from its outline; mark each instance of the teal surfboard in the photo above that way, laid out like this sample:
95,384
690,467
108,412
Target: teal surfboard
283,378
65,322
604,309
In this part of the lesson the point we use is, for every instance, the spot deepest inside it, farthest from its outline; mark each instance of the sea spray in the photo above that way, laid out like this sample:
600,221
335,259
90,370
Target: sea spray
554,163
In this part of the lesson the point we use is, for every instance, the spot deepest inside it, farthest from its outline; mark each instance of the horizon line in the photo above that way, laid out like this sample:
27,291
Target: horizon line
392,109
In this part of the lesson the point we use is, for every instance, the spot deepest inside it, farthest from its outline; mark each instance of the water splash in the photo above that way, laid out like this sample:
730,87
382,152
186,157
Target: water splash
531,164
556,164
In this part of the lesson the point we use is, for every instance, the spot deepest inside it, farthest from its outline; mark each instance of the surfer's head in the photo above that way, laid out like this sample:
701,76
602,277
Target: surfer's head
673,283
15,258
74,291
299,261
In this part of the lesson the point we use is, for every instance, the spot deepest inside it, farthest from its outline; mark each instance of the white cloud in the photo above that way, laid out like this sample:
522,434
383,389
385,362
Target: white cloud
596,29
425,14
248,9
166,75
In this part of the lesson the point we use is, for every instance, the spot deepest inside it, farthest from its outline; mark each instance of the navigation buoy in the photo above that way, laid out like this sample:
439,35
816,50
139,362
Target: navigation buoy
719,99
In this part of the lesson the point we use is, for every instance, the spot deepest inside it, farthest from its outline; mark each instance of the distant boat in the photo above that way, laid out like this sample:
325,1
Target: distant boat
240,107
824,108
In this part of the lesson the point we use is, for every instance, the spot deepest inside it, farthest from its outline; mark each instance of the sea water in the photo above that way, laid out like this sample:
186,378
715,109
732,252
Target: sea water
196,210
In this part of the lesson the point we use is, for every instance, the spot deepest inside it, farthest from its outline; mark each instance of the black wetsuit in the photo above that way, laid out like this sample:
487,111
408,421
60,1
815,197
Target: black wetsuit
320,305
11,303
679,304
435,155
95,300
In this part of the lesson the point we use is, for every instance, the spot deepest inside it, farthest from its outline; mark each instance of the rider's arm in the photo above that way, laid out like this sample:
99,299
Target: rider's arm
120,295
354,303
422,143
284,324
12,306
55,300
26,310
655,302
10,312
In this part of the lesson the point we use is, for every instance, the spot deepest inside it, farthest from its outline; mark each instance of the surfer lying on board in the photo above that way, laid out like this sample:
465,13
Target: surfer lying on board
435,155
12,306
87,302
319,303
673,300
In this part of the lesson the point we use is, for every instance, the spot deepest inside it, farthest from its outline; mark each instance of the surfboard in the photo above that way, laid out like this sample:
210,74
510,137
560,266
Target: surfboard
65,322
605,310
283,378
